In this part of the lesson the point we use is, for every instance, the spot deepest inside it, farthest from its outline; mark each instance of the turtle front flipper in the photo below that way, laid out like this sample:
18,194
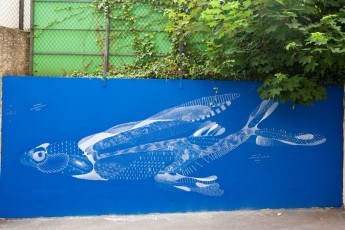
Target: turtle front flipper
138,166
93,175
197,110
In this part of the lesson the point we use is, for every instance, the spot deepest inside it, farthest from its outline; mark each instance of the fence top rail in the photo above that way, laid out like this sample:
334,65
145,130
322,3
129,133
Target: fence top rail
119,1
99,54
63,0
111,30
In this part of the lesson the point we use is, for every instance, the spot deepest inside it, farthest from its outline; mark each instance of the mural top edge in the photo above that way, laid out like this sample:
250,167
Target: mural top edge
134,79
102,79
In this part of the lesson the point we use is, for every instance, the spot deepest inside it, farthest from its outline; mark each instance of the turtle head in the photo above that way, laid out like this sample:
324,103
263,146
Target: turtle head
35,156
47,158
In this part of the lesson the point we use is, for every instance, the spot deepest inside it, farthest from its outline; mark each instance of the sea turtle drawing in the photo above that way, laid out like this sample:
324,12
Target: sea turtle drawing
168,146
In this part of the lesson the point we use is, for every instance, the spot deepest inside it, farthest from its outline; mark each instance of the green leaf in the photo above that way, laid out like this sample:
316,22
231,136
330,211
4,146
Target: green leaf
292,45
294,24
337,50
247,3
215,3
310,67
328,18
274,93
231,5
305,59
271,29
195,11
212,24
317,38
280,76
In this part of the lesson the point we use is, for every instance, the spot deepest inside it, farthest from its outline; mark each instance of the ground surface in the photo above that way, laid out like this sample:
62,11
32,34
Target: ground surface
301,219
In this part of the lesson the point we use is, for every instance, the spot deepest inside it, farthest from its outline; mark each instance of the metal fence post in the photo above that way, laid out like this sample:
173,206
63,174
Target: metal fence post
180,46
180,64
106,48
21,14
31,54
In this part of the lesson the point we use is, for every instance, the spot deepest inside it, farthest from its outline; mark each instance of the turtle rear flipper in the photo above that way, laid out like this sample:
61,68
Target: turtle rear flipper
206,186
268,137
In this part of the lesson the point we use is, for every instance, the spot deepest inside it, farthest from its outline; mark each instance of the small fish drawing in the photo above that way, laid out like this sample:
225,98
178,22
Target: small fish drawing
168,146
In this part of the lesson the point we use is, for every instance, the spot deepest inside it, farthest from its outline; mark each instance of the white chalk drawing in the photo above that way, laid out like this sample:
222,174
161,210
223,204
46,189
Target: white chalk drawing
38,107
258,158
168,146
10,111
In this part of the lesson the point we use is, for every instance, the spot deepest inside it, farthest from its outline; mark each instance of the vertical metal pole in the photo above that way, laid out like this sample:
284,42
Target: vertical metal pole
344,148
32,25
21,14
180,48
106,48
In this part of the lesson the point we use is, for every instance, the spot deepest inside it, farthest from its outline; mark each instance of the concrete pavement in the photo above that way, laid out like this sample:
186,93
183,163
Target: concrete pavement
301,219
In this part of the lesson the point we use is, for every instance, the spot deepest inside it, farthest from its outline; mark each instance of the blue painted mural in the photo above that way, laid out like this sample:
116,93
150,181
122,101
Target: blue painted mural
168,151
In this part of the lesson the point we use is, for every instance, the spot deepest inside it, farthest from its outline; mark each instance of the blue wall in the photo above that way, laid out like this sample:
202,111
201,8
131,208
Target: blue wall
216,153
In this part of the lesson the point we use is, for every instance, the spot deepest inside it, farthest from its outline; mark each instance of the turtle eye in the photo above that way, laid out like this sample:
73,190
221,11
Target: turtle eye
39,156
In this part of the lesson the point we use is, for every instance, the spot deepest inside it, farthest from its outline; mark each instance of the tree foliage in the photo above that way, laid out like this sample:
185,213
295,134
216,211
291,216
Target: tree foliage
296,47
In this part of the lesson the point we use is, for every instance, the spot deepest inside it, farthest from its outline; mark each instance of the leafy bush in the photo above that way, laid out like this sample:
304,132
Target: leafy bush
296,48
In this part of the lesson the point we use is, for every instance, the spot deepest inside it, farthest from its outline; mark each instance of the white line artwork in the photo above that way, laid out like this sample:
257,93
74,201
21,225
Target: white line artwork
169,146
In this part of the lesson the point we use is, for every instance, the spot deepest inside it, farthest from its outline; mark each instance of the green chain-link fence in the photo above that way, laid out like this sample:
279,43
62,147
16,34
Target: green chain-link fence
71,35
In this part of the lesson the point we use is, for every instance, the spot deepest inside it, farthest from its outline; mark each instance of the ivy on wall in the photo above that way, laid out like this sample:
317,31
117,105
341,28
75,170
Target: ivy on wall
188,61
